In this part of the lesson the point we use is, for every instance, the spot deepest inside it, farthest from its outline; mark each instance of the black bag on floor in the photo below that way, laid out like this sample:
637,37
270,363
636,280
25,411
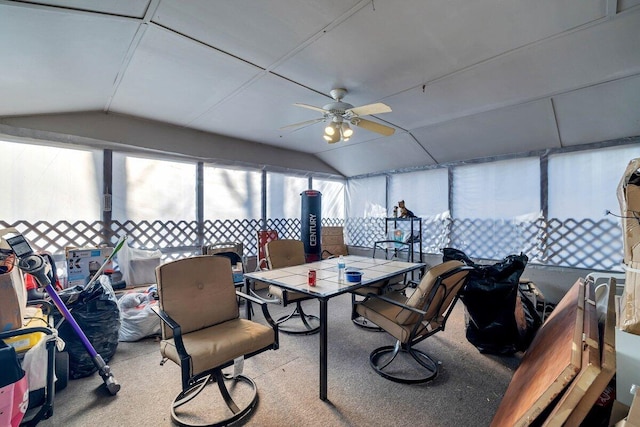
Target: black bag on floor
499,319
96,312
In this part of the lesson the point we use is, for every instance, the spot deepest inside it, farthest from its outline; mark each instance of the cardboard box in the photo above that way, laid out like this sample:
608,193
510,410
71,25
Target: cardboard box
13,300
628,193
83,263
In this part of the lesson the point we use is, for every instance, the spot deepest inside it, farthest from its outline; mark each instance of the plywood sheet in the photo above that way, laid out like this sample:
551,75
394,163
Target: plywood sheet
551,362
590,368
608,365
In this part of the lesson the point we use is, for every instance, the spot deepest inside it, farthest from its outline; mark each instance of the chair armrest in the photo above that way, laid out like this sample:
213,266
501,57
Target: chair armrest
175,328
397,304
263,305
329,254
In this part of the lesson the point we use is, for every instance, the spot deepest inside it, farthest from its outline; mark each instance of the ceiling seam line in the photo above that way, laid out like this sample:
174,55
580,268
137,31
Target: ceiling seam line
555,120
422,146
133,46
42,6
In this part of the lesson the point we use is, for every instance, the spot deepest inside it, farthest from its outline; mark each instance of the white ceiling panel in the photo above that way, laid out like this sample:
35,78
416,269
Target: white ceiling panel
174,79
627,4
56,60
600,113
527,127
399,151
395,45
259,32
539,70
259,111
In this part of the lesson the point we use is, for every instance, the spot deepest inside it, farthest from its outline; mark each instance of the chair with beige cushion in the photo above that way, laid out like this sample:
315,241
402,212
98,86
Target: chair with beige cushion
412,319
203,334
286,253
332,242
396,283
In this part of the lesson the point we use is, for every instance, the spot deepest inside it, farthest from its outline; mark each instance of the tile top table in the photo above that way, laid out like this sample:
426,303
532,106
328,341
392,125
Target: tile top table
295,278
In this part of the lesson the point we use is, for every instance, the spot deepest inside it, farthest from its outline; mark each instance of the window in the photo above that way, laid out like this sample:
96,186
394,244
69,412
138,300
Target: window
584,184
150,189
507,189
283,195
426,193
366,197
332,198
232,194
48,183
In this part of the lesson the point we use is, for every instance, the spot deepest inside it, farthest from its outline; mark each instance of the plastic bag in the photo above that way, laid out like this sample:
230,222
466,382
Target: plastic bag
95,309
138,266
137,319
499,319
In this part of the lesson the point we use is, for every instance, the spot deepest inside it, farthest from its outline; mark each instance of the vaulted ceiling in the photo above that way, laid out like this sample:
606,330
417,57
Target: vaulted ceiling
464,79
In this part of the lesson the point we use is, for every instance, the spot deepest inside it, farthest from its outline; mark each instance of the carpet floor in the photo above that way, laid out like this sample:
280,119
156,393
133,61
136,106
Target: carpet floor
466,392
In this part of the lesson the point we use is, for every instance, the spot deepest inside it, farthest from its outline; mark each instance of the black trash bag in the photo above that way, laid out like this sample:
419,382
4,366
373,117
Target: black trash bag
96,311
499,319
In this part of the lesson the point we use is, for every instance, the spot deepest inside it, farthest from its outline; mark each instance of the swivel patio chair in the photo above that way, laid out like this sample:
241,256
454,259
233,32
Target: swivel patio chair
203,334
411,320
396,283
332,242
287,253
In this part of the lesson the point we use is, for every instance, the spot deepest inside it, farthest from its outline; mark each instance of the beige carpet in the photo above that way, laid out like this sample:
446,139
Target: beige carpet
466,392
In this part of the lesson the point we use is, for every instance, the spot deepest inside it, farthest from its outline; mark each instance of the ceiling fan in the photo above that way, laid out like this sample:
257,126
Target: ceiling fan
341,114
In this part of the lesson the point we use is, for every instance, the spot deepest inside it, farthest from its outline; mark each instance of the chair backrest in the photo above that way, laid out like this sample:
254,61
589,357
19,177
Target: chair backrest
436,291
196,292
332,241
284,253
234,258
264,237
216,248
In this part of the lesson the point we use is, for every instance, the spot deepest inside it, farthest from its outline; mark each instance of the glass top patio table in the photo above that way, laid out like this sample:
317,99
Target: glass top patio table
327,286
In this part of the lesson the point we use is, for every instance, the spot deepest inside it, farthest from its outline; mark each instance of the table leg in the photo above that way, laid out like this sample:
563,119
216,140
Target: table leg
247,302
323,349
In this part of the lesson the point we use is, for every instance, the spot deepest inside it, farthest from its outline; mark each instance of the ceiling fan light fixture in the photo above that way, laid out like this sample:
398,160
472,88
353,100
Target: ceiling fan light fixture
332,139
346,131
330,129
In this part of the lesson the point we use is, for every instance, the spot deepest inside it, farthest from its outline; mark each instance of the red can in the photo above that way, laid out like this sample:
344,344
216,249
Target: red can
312,277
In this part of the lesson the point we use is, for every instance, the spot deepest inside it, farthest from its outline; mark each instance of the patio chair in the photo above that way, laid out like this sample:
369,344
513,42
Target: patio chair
411,320
396,283
203,334
332,242
287,253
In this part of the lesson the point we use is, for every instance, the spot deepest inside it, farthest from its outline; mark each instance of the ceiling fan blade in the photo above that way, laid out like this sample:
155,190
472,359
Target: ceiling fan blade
366,110
373,126
301,124
310,107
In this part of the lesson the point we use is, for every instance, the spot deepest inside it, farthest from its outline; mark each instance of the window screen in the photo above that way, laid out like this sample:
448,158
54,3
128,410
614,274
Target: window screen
47,183
147,189
507,189
231,194
583,184
426,193
366,197
283,195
